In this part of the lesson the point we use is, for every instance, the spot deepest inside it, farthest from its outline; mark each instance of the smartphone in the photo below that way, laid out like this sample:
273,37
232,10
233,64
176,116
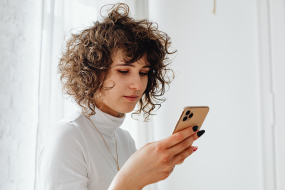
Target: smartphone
191,116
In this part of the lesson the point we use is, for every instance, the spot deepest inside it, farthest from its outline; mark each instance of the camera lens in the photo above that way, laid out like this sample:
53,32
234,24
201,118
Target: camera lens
187,113
185,118
190,115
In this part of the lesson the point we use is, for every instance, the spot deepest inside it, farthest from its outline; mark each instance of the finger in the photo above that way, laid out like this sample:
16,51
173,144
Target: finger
179,158
178,137
199,134
186,143
170,171
180,163
147,144
194,148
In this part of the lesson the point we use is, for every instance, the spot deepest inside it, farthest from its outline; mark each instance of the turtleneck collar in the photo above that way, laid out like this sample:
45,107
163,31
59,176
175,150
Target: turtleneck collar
106,123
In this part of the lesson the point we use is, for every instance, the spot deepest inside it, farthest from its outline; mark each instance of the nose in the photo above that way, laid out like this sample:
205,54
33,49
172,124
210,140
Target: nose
136,83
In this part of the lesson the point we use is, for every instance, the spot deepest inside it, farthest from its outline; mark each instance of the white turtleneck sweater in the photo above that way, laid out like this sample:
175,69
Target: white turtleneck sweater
75,157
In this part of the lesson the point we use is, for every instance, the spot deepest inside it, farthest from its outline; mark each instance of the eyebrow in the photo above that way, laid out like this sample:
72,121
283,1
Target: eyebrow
147,66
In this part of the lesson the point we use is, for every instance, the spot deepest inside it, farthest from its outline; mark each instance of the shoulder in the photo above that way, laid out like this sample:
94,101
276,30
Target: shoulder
64,140
64,157
74,117
67,128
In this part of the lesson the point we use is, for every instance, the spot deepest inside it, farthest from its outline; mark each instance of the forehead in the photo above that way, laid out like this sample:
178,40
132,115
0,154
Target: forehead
119,59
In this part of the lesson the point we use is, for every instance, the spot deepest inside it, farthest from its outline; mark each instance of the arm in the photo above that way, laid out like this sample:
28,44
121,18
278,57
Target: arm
61,163
155,161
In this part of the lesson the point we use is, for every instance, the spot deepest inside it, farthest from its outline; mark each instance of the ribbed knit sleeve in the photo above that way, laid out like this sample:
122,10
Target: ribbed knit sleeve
62,160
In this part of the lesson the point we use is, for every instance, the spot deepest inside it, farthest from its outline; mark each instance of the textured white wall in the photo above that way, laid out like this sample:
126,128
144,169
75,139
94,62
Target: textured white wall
218,54
216,65
19,37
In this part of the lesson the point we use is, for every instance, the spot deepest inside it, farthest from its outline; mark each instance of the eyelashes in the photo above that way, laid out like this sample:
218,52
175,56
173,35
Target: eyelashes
126,72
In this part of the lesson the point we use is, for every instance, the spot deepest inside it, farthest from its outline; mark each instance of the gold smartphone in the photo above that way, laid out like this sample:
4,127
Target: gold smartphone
191,116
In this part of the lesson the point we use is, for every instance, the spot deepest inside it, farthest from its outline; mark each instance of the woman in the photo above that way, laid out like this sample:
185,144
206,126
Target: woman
108,69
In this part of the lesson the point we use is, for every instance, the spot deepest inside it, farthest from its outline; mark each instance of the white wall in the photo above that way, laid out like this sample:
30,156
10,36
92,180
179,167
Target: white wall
277,54
216,65
19,37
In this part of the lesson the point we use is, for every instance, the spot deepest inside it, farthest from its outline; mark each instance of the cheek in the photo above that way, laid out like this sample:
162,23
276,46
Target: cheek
118,85
145,82
114,81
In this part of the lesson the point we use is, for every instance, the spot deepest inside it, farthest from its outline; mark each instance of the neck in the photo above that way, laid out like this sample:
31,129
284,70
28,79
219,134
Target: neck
108,110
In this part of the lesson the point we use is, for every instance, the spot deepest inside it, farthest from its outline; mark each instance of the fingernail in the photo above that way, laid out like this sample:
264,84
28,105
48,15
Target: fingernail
195,128
200,133
194,148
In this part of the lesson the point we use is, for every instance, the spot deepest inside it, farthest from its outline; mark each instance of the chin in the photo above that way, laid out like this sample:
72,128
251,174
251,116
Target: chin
127,109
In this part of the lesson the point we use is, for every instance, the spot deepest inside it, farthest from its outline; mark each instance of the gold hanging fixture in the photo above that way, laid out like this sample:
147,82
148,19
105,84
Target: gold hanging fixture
214,9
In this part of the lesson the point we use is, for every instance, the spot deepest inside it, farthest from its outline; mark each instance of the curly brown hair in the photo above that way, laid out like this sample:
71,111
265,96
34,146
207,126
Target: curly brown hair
85,64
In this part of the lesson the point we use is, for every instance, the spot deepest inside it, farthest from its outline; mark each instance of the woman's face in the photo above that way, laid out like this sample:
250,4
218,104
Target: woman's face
129,81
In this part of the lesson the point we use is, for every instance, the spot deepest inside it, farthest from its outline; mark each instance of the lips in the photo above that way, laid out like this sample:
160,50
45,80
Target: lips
131,98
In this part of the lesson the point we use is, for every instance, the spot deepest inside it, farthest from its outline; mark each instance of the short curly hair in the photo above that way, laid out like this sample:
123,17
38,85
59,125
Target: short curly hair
86,61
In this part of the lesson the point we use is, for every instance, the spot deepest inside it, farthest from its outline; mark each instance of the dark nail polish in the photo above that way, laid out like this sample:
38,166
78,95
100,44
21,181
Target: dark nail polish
195,128
200,133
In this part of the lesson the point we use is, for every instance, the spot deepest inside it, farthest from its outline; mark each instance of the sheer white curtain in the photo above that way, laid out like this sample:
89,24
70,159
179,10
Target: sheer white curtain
59,19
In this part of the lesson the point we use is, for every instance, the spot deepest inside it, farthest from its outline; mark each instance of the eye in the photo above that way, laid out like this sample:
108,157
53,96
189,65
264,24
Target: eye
126,72
144,74
123,72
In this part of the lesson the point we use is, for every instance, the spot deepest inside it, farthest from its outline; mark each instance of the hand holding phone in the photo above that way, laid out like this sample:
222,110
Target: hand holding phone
155,161
191,116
